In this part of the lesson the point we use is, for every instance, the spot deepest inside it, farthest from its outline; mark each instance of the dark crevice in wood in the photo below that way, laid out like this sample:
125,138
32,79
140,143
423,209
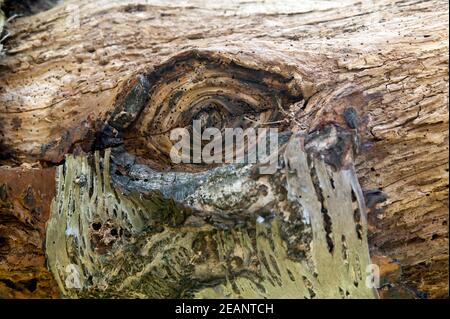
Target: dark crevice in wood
27,7
323,208
357,216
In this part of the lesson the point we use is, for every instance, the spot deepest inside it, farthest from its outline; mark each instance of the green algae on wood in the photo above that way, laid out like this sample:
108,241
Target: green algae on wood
102,243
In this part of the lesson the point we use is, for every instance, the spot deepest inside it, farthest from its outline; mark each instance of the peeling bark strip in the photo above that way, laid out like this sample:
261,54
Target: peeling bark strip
238,234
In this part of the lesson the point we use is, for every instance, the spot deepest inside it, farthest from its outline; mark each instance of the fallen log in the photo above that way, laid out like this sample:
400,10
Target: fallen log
71,87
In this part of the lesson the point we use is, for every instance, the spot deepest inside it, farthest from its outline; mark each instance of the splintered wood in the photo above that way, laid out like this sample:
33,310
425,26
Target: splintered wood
308,240
90,75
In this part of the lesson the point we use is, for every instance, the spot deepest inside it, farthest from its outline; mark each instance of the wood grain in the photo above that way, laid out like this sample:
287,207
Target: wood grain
60,79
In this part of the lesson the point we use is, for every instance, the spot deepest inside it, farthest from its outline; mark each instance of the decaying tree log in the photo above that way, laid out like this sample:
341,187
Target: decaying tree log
300,233
90,90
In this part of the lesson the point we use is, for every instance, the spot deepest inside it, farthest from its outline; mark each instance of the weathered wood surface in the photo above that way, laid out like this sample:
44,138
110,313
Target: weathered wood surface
60,80
25,197
243,235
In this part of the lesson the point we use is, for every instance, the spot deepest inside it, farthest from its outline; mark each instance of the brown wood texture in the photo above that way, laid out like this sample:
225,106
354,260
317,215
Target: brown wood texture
25,197
65,67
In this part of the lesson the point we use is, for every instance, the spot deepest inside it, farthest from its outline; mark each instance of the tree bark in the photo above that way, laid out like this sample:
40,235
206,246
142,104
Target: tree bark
91,77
